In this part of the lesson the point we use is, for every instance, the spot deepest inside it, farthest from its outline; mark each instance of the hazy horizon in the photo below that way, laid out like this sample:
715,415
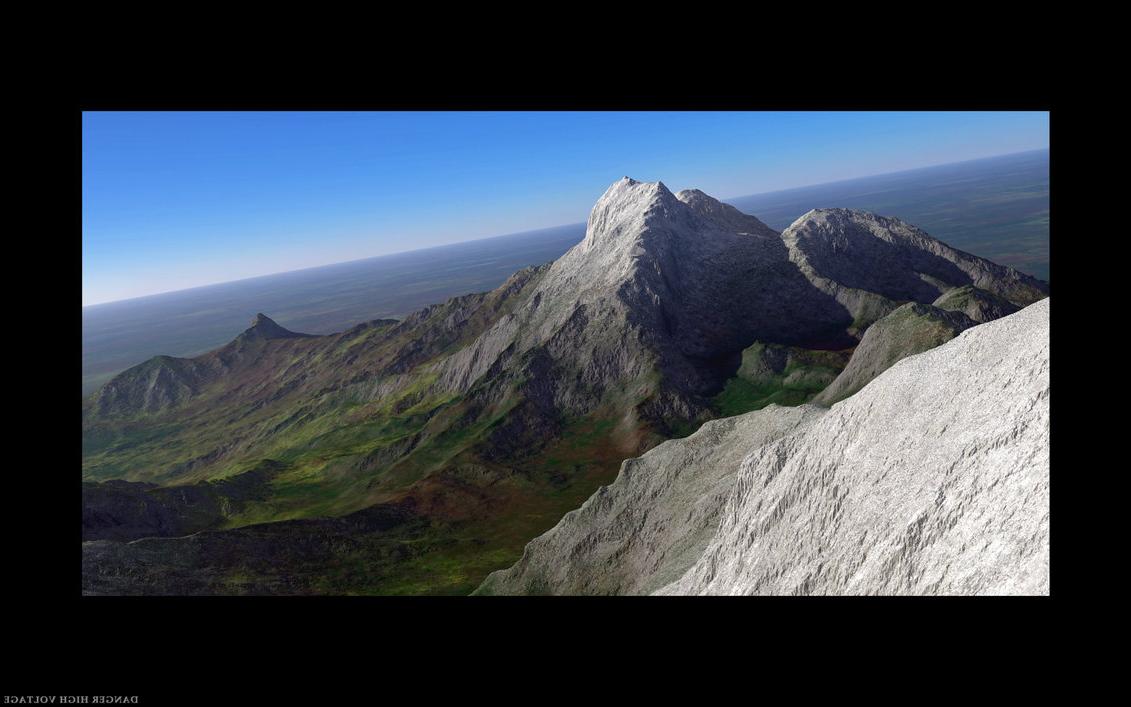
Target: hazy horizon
995,207
531,231
178,200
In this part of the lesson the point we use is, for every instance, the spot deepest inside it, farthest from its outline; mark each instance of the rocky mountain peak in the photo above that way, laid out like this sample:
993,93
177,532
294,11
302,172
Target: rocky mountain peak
626,209
263,327
722,215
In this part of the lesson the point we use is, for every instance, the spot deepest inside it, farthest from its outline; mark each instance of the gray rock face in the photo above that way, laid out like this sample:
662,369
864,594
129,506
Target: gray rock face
910,329
871,263
681,284
979,305
933,479
649,526
661,282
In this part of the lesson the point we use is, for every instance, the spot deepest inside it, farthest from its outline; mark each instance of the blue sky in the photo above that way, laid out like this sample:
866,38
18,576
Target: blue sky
177,200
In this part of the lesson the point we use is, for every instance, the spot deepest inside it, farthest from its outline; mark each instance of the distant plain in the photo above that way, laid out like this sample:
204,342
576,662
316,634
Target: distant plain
997,208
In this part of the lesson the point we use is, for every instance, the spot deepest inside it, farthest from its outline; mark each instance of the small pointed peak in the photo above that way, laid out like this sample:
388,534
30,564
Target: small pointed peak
263,327
722,214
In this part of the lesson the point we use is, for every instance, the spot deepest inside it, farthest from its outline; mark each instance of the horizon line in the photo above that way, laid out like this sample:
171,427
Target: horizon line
547,228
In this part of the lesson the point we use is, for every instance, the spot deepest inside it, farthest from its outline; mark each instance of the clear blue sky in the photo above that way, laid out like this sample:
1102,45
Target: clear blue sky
177,200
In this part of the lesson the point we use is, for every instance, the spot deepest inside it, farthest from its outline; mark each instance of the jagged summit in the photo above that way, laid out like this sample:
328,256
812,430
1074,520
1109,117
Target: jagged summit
658,284
683,283
624,208
263,327
632,213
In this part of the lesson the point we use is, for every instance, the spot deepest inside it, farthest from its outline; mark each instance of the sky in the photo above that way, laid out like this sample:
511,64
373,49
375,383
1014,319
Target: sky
178,200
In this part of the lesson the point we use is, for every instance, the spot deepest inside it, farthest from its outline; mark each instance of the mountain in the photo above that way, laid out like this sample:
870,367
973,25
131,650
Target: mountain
871,264
932,479
164,382
488,417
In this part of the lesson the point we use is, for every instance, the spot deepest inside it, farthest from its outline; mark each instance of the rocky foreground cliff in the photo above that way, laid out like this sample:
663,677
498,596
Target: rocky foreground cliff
932,479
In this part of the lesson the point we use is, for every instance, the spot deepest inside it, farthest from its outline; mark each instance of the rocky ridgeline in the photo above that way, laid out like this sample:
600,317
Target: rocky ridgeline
682,283
932,479
674,284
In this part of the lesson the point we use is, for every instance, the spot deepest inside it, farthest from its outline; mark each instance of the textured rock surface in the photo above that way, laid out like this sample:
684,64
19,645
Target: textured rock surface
979,305
678,284
910,329
649,526
682,283
933,479
871,264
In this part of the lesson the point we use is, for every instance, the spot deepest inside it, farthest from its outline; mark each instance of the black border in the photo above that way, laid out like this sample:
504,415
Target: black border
118,641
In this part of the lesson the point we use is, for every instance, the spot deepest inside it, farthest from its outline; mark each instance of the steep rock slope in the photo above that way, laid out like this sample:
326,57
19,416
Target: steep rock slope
649,526
976,303
933,479
667,284
909,329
